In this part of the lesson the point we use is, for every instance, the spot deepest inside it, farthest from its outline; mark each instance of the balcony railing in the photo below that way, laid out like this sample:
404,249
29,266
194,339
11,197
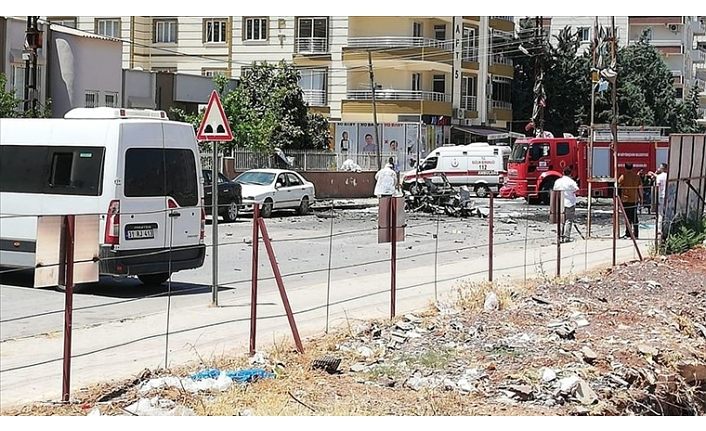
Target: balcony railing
499,104
660,42
311,45
398,42
390,94
469,103
315,97
469,54
506,18
500,59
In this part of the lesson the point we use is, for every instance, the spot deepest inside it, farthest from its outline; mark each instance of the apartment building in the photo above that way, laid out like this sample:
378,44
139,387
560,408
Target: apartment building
676,37
437,70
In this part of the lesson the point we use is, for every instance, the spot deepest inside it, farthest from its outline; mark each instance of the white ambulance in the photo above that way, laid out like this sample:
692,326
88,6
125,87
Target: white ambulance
479,165
136,169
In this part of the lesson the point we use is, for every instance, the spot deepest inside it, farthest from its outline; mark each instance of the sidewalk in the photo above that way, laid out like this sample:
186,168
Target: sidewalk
122,349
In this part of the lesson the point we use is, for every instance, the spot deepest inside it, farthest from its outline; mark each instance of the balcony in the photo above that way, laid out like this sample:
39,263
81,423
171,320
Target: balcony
500,59
392,94
469,103
499,104
311,45
660,42
655,20
469,54
398,42
314,97
505,18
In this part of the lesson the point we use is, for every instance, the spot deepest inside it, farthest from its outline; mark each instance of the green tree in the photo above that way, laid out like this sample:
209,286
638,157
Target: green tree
267,111
8,102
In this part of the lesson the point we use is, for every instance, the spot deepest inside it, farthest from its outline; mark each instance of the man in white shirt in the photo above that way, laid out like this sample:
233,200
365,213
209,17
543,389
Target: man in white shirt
386,180
569,187
661,186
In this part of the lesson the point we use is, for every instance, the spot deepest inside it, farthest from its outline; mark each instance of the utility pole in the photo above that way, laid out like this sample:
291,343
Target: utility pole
375,112
614,130
539,96
33,41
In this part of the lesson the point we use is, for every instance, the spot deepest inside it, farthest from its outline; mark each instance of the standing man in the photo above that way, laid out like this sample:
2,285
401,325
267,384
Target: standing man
569,187
630,187
661,182
386,180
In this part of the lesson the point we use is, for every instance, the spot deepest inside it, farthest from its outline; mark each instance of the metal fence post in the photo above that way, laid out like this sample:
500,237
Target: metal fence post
69,225
253,291
491,218
393,255
558,204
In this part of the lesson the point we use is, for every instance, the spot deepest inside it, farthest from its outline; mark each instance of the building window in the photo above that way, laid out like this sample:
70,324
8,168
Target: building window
439,84
111,100
416,82
468,47
91,99
313,85
312,35
440,32
417,29
501,90
214,30
679,93
66,21
17,82
255,29
584,34
214,72
165,31
108,27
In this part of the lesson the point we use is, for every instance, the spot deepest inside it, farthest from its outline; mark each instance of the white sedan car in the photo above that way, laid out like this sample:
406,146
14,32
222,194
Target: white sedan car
276,189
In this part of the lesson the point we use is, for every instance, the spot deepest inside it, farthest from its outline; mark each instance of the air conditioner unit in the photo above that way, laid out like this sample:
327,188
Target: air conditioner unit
460,113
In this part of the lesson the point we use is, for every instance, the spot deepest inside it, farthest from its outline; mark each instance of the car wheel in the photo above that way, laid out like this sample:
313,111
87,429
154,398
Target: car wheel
266,210
303,206
78,288
482,191
154,279
231,212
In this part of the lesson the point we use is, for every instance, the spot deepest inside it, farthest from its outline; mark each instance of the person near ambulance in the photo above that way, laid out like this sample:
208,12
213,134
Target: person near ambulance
567,185
386,180
630,187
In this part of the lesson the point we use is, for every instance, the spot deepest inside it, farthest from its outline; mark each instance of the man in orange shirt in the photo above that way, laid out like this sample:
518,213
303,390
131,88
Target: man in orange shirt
630,187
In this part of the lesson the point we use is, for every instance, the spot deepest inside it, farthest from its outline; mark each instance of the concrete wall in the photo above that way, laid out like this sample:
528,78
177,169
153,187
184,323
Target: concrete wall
81,64
337,185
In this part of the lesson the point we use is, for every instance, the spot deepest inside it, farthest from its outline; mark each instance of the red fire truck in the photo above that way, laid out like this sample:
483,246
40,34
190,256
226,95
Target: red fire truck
535,163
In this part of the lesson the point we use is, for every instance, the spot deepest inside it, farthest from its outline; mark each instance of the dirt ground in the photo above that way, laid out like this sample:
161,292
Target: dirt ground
625,341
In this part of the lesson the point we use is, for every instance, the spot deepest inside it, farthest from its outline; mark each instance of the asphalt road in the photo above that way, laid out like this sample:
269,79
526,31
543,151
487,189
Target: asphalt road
301,243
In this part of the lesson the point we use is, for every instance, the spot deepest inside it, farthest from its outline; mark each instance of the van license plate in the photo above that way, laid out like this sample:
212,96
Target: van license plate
140,231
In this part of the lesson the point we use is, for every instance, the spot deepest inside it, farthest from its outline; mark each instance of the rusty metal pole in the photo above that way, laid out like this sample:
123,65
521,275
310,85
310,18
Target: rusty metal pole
393,255
253,292
615,225
559,225
588,217
491,217
655,200
280,285
69,234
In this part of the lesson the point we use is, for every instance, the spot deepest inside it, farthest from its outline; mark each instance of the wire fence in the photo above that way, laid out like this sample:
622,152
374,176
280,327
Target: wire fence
330,262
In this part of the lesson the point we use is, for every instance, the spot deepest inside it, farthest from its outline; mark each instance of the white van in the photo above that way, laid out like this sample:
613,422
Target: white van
136,169
479,165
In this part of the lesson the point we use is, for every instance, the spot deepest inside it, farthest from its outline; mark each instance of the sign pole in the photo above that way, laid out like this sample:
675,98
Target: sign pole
69,235
214,224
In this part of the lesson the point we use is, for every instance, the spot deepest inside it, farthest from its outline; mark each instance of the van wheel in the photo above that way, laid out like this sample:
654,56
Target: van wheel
482,191
78,288
303,206
266,210
154,279
231,212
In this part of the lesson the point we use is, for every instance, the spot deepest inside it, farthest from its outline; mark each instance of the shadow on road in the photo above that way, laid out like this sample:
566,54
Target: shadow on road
111,287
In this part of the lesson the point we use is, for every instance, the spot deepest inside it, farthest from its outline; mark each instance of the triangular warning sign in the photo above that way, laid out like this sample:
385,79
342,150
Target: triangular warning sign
214,126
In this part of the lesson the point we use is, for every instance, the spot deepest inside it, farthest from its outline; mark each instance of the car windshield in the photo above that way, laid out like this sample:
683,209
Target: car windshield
259,178
429,163
518,153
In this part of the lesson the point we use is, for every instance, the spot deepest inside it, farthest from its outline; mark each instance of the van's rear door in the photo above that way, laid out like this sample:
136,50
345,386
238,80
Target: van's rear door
184,186
143,215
